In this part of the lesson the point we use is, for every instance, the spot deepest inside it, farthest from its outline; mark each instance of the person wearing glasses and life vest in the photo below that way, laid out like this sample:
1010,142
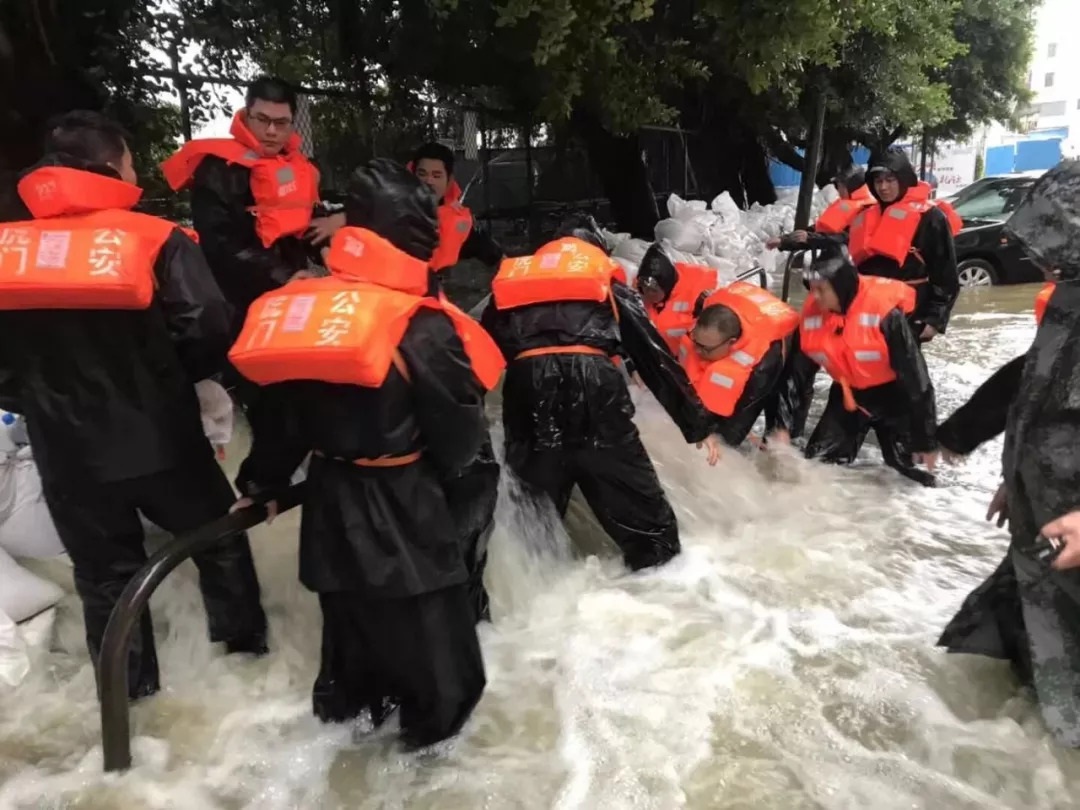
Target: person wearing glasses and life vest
385,385
736,355
908,238
856,328
560,320
252,195
111,319
672,293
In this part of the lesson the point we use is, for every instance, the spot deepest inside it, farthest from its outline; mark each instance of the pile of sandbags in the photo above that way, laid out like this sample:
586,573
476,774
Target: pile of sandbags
719,234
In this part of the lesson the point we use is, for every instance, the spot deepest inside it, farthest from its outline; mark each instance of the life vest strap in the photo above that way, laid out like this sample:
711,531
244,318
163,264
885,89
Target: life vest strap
380,462
399,364
546,350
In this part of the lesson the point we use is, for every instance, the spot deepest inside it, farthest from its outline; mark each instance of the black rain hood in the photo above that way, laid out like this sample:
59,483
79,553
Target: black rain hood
582,226
386,198
657,266
833,264
1047,222
893,160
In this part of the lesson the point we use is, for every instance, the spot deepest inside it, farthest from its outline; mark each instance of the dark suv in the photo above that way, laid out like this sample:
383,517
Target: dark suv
984,254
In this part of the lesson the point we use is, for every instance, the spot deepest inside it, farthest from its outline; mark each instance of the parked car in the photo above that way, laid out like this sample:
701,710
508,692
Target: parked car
984,254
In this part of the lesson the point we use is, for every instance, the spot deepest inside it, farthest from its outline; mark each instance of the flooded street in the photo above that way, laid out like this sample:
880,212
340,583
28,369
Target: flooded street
785,660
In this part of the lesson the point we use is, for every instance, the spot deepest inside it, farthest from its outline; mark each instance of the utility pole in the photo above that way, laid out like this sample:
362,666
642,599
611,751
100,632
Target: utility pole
808,183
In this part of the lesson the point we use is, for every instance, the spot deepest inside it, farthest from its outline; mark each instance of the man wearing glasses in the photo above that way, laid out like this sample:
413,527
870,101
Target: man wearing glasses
252,196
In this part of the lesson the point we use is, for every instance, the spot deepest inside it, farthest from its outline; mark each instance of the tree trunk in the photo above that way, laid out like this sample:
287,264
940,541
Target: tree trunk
617,161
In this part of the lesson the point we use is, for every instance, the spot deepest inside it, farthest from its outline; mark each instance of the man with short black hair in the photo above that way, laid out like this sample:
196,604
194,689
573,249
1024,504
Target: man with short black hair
117,317
252,196
459,238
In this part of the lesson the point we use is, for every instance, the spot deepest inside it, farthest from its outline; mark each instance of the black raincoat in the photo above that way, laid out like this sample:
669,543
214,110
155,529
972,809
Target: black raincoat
983,416
932,262
1026,612
113,417
568,418
381,545
221,202
902,413
763,392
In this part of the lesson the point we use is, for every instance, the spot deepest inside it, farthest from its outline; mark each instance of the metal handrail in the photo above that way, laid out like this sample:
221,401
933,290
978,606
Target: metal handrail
756,270
124,619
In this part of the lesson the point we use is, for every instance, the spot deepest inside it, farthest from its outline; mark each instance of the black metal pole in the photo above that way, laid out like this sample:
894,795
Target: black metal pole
808,183
112,662
922,163
529,179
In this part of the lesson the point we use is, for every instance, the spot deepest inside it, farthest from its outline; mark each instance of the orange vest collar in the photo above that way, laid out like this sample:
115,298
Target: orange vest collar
55,191
357,254
240,131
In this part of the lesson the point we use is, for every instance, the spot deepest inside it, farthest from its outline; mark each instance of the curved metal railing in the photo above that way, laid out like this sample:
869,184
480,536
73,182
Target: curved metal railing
112,663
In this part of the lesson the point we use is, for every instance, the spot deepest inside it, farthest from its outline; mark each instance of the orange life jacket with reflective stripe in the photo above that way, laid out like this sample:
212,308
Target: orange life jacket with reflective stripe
1041,300
676,318
922,192
851,347
83,249
764,319
838,217
889,233
567,269
285,187
455,225
346,328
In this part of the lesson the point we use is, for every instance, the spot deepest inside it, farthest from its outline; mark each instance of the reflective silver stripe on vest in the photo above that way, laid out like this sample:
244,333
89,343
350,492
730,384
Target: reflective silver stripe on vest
819,358
680,306
866,319
867,356
898,213
716,378
813,322
742,358
676,332
845,206
859,219
682,351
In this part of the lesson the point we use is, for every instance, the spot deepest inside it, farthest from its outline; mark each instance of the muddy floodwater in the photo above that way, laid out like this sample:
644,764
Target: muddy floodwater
785,660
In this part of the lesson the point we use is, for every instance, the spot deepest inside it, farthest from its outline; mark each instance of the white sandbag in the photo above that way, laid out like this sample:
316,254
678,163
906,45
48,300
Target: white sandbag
632,250
686,235
216,409
613,240
630,268
14,658
725,209
23,594
681,209
26,527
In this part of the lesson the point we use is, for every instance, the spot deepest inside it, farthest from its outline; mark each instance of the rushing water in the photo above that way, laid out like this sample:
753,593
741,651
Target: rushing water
784,660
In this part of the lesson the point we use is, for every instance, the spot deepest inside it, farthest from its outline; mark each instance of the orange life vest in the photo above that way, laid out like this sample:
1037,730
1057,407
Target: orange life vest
851,347
1041,300
676,318
567,269
83,249
346,328
285,187
922,192
838,217
764,319
455,225
889,233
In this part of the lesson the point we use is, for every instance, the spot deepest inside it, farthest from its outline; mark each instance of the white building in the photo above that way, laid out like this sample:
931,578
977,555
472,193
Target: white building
1055,68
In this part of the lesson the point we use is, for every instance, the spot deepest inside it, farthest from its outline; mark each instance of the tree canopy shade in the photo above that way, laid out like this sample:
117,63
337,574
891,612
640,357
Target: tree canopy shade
744,73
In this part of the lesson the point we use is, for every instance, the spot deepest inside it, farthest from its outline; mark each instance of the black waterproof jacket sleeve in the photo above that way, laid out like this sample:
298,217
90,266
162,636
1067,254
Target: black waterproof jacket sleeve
196,313
220,197
480,246
814,241
659,370
912,380
9,384
934,241
983,416
761,385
